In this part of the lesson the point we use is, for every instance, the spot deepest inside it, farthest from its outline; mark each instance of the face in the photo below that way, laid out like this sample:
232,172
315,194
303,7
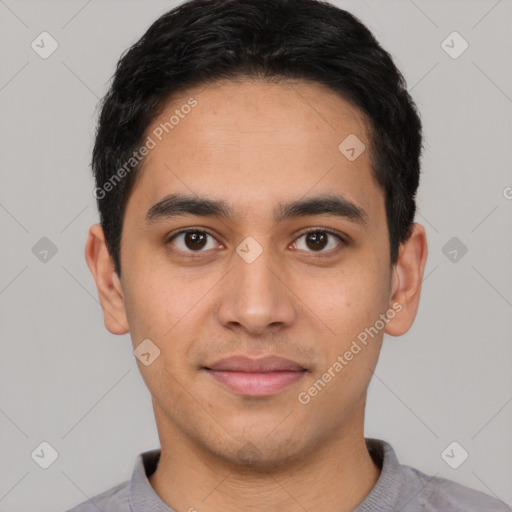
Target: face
281,250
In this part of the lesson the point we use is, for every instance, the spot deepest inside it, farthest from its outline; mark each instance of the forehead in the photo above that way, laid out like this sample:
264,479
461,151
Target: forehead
254,144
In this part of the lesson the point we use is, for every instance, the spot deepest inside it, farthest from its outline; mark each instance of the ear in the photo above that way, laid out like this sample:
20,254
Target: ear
407,280
109,286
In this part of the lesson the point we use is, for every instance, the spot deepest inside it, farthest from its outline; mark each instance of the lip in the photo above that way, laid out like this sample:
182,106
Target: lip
256,377
249,364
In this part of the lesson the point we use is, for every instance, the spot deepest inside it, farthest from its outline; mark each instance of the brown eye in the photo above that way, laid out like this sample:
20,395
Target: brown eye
319,240
316,240
195,240
192,241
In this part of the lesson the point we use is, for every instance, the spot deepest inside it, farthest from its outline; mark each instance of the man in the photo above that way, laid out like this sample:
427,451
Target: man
256,165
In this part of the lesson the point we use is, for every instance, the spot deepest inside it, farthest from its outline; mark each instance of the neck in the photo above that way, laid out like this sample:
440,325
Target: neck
335,477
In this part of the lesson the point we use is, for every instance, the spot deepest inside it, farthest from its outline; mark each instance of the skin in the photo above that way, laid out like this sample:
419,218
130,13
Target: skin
256,144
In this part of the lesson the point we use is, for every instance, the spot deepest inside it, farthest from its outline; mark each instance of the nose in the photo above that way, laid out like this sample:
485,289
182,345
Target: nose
254,296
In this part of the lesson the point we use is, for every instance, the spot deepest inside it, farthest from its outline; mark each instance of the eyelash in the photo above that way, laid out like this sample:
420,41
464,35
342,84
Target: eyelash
197,254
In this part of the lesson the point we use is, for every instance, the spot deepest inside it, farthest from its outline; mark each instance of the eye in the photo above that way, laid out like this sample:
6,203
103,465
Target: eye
316,240
191,241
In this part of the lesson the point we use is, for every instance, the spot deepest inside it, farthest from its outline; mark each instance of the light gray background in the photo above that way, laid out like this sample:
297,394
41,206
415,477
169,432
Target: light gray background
67,381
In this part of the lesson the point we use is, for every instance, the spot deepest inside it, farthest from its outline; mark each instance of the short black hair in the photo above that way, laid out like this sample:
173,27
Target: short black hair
202,41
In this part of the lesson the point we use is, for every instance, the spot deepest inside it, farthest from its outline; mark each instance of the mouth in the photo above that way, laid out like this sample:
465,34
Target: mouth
255,377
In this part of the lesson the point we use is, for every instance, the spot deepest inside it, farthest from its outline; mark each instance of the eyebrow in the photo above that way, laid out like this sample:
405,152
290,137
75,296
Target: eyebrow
174,205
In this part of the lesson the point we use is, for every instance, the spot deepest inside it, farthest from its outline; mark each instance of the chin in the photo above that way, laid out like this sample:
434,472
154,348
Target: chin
260,455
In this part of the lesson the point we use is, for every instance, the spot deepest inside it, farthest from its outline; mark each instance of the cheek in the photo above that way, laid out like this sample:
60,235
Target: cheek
170,311
145,307
346,301
156,298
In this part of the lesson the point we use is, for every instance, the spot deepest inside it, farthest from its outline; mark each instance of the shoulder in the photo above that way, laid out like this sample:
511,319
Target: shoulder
435,494
404,488
116,499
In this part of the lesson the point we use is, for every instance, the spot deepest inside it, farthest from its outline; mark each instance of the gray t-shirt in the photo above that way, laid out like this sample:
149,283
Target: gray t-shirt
399,488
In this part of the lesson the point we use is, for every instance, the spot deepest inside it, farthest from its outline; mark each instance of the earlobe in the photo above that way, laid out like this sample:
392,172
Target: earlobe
107,282
407,280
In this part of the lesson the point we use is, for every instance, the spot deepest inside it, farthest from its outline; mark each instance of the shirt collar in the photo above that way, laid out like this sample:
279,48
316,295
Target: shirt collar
142,496
383,496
